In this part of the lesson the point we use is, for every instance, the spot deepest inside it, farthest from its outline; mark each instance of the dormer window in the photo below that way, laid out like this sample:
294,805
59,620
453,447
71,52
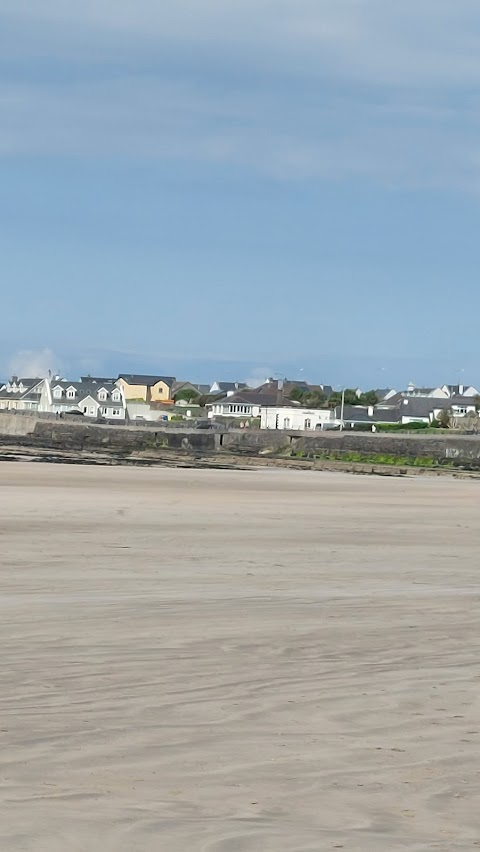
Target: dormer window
116,396
57,392
71,393
102,395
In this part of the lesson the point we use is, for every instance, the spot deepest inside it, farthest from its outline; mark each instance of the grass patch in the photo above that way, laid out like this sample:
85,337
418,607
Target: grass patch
380,458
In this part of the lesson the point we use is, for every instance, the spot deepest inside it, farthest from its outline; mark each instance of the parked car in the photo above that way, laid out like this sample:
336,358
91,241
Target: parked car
208,424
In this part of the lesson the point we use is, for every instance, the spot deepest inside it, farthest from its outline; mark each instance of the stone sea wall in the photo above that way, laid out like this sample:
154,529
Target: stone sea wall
34,431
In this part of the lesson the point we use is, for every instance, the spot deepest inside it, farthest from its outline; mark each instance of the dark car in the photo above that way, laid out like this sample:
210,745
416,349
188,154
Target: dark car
208,424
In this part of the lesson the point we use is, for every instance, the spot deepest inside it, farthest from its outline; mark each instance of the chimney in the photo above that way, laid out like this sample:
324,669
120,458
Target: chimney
279,392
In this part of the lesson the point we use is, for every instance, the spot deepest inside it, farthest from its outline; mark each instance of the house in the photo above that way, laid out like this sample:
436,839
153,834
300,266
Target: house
21,394
246,403
294,417
428,409
354,416
146,388
93,398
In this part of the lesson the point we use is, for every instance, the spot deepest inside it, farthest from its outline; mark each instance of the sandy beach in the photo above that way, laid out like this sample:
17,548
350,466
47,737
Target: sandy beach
249,661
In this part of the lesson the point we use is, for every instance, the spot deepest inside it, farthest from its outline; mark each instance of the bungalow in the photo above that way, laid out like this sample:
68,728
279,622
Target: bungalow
294,417
245,403
354,416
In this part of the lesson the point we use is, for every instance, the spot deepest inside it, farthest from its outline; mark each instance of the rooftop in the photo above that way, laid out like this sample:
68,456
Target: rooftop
149,381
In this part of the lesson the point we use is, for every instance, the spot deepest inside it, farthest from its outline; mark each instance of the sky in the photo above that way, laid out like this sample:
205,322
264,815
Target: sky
231,189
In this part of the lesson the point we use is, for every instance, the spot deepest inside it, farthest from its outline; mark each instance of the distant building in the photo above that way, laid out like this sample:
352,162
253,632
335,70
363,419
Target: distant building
146,388
294,417
245,403
91,397
21,394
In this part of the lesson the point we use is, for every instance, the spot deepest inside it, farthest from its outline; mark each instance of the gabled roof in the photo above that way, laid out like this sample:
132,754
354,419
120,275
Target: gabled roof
381,393
29,391
149,381
84,389
258,396
202,389
229,386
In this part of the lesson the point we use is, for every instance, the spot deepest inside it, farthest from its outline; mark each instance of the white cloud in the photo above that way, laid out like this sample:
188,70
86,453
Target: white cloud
30,363
293,89
383,40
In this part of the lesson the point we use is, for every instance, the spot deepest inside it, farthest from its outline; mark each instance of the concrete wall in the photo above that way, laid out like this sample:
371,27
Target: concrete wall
17,424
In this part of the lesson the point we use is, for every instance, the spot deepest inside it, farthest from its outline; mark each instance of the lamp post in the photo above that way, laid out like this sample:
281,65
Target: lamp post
342,410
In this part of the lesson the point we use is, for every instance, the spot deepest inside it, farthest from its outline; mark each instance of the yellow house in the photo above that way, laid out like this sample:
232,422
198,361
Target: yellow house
146,388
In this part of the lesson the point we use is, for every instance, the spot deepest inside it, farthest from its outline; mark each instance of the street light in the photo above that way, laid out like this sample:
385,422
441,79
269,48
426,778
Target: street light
342,410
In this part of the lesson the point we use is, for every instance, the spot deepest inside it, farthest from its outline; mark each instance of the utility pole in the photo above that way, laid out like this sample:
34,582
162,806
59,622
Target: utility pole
342,410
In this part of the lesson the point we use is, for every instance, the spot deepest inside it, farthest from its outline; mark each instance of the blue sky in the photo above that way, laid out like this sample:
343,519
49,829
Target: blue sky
235,188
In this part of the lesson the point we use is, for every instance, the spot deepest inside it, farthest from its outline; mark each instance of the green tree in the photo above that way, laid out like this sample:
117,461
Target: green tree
369,398
188,394
297,395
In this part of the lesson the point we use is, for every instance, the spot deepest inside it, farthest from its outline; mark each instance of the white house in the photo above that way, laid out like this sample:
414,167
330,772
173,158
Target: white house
94,398
21,394
244,403
294,418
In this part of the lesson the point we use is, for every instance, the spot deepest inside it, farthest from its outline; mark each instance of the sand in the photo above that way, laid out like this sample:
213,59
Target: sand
250,661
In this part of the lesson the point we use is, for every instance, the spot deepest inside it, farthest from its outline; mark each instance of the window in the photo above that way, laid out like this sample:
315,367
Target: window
102,396
104,411
57,393
116,396
286,423
116,412
307,424
71,392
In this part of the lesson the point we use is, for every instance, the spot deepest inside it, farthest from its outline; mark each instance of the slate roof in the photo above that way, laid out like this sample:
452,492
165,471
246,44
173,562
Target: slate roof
359,414
381,393
249,397
134,379
419,406
84,389
202,389
229,386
